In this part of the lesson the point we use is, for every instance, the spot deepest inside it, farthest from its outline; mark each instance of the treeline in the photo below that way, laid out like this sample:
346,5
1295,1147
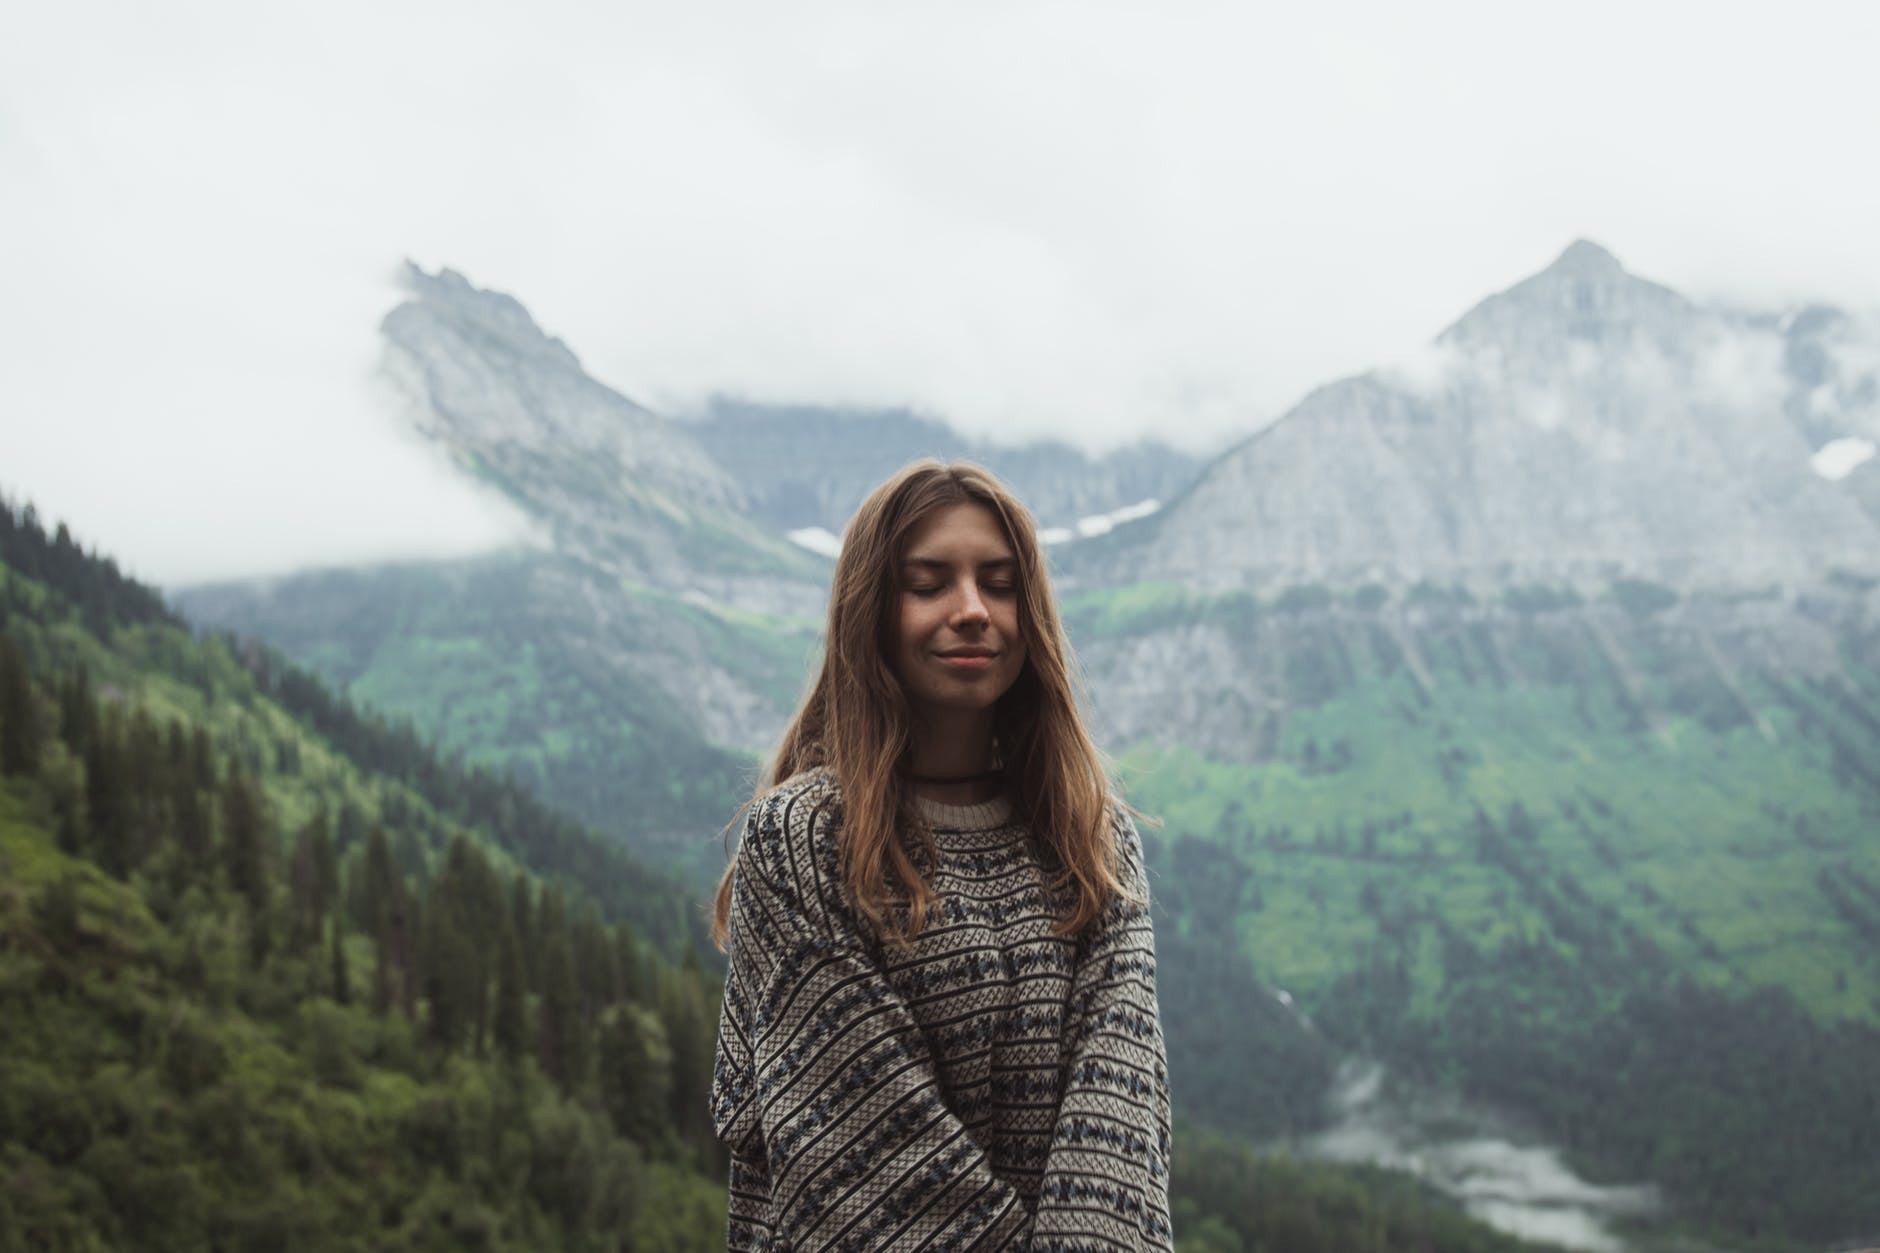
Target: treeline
1760,1120
161,934
101,594
368,1026
89,587
1227,1199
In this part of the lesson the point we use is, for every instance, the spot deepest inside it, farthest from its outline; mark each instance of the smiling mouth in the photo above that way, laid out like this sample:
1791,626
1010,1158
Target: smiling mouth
966,661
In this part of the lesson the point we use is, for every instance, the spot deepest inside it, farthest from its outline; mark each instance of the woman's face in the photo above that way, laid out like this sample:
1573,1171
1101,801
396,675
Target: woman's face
958,645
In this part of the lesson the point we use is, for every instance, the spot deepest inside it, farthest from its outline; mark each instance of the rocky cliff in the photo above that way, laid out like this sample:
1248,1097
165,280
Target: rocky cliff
1584,424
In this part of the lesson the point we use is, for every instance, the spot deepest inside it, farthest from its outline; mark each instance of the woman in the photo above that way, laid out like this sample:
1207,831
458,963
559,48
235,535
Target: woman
940,1026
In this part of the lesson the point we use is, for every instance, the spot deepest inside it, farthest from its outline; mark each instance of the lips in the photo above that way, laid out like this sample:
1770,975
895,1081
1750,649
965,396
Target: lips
967,659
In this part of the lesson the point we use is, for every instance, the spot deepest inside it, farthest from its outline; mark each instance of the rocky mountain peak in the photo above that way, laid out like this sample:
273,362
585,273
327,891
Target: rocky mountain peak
1586,295
613,483
498,320
1583,424
1584,259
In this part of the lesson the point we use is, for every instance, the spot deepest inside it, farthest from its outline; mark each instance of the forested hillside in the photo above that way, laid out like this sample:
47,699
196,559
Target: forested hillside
275,977
1607,864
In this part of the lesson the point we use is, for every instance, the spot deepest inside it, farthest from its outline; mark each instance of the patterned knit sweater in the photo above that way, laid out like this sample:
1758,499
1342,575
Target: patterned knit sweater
997,1087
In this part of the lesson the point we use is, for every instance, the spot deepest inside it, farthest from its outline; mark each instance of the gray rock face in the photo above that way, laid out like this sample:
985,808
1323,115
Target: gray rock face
1583,424
1228,690
615,484
812,467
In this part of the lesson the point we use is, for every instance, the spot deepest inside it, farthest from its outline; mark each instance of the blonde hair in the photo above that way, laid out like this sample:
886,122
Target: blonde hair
856,719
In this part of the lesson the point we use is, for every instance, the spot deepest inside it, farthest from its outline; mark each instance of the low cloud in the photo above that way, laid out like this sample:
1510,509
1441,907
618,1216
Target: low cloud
1093,222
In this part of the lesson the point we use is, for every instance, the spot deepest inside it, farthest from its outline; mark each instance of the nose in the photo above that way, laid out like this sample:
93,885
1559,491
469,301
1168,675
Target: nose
971,607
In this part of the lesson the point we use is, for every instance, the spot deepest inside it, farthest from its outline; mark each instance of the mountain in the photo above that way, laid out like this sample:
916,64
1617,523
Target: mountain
1510,717
632,663
1583,424
810,467
616,486
272,975
275,976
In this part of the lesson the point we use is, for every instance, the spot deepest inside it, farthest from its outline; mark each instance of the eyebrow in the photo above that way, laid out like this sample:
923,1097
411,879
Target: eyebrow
934,563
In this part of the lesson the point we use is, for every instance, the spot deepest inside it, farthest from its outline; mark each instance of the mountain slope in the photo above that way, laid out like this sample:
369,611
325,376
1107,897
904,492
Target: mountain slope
273,976
802,466
615,485
1582,424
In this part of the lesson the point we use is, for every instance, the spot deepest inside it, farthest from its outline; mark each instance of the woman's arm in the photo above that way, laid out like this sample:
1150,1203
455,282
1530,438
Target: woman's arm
824,1076
1106,1177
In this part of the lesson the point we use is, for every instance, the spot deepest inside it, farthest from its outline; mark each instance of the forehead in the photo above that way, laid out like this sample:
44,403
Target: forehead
964,532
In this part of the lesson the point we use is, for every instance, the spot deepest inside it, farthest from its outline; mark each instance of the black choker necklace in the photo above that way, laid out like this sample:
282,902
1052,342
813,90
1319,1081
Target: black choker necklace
981,777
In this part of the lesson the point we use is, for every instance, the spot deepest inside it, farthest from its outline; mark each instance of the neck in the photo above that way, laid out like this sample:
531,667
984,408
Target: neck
953,745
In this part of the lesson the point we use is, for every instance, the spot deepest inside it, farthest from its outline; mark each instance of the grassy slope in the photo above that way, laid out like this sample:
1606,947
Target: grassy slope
1519,867
159,1093
1706,845
485,661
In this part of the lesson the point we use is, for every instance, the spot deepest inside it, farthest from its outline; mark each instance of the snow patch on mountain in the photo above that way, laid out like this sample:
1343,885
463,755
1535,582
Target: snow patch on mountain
1097,524
1837,458
818,539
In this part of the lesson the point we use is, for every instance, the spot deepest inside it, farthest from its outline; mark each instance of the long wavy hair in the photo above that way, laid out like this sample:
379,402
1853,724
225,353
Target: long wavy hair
856,720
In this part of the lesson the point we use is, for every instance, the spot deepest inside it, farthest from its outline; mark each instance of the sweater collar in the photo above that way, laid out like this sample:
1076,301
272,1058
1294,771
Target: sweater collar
985,816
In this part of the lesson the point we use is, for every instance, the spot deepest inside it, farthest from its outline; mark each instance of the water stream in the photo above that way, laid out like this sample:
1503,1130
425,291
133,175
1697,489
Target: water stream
1522,1188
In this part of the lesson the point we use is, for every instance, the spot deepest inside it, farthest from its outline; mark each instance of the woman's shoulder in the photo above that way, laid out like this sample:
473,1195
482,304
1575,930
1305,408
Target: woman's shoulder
1132,863
791,827
806,800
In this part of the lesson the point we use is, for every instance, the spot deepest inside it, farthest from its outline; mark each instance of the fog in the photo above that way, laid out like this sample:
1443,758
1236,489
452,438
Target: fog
1092,221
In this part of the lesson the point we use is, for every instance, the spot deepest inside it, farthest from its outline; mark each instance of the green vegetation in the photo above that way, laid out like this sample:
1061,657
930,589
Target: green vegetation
467,654
258,991
275,977
1233,1201
1567,866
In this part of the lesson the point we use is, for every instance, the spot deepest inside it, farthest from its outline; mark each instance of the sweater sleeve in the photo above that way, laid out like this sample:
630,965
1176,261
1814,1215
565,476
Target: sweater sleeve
823,1084
1106,1175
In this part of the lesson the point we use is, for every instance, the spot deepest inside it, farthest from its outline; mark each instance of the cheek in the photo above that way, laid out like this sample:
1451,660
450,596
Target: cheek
911,627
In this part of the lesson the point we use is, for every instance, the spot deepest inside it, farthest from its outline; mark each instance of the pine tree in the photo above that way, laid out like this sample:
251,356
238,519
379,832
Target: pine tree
342,976
562,1044
522,920
107,803
78,712
635,1071
511,1026
244,855
19,715
310,871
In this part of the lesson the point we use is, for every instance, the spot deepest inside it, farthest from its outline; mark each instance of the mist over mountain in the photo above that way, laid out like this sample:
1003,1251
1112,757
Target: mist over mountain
1511,712
811,467
1583,424
614,484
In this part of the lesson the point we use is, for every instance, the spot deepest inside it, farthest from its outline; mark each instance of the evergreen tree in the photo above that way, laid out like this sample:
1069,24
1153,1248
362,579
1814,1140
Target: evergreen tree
107,803
510,1027
245,857
522,919
342,976
635,1071
19,717
78,712
562,1049
311,871
447,972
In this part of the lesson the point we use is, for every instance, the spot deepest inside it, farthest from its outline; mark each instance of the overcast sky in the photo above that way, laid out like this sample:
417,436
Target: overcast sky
1082,219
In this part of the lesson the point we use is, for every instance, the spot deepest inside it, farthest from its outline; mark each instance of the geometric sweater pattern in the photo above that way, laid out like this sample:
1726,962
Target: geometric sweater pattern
995,1087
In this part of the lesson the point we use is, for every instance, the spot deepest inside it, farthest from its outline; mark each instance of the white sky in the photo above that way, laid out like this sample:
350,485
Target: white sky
1085,219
